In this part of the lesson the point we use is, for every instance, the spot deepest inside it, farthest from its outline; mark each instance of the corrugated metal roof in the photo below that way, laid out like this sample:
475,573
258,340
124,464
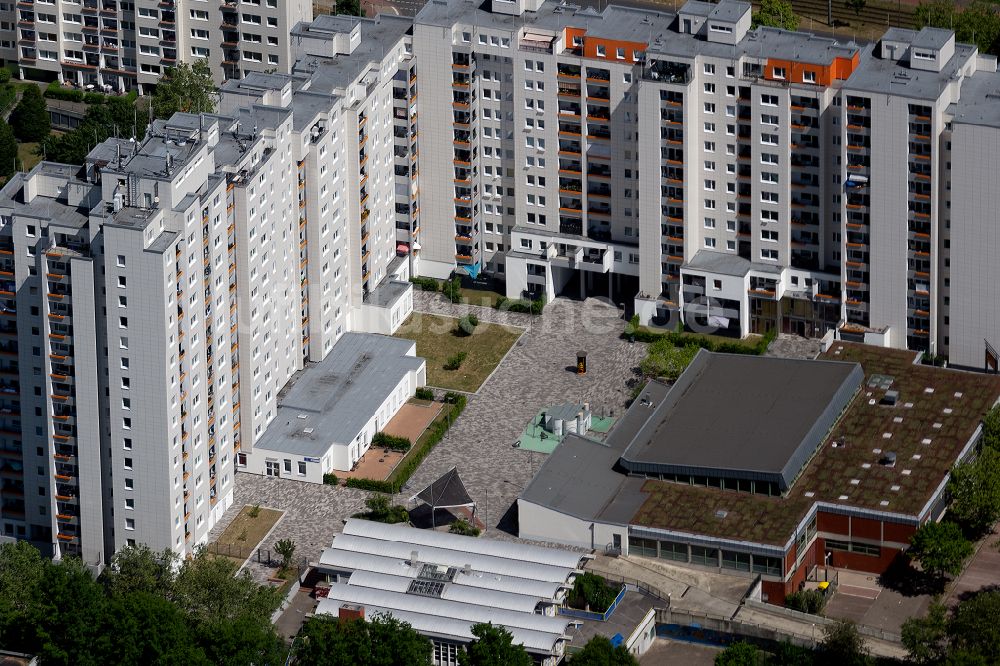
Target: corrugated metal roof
498,549
353,561
471,613
453,558
452,591
430,625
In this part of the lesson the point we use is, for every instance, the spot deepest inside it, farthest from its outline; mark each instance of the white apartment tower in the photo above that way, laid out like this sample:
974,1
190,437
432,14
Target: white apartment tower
122,45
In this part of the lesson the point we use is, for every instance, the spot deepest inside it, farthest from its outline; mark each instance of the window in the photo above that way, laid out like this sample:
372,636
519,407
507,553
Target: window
808,77
769,255
288,466
601,51
704,556
737,561
778,72
302,468
709,222
129,502
768,235
709,88
769,100
620,53
710,243
709,69
130,523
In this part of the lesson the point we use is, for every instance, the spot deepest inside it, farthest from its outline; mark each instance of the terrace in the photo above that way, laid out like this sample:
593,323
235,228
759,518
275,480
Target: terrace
934,415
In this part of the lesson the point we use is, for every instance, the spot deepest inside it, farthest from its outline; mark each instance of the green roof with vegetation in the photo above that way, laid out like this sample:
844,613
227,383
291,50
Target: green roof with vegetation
936,413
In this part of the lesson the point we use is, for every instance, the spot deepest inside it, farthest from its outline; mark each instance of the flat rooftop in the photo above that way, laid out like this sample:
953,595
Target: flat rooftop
749,417
329,402
936,413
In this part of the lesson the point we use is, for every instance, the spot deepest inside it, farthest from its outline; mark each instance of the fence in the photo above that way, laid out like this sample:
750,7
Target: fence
590,615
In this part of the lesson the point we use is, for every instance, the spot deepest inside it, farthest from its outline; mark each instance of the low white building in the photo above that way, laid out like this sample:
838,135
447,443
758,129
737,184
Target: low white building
442,584
331,410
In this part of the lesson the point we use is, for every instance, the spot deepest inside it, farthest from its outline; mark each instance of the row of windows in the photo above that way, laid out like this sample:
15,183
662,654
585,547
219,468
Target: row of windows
702,555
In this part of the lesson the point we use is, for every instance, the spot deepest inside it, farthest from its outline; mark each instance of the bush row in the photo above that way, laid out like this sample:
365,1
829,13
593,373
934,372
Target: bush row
411,463
425,284
682,339
534,307
424,393
56,91
392,442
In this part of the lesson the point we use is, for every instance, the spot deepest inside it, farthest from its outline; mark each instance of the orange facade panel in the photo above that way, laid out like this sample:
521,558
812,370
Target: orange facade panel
821,75
600,48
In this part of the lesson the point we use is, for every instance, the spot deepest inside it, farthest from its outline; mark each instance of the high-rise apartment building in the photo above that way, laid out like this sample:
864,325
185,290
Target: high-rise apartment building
120,45
678,162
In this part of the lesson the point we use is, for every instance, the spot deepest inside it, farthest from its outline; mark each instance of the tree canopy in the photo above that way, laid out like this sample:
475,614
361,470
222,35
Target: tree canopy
665,359
381,640
30,118
776,14
350,7
970,636
187,88
598,651
8,151
118,116
974,488
843,645
740,653
494,646
142,610
940,548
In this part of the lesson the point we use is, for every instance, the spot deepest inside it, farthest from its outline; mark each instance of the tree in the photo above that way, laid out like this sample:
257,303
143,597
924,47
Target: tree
494,646
186,88
73,610
30,118
776,14
592,592
208,590
940,548
285,548
599,651
974,488
140,569
381,640
22,571
843,645
740,653
926,638
148,629
381,510
350,8
118,116
974,630
991,429
857,6
8,150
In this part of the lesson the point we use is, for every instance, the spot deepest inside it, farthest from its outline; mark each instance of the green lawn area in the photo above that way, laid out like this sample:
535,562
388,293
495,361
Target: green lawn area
436,341
480,297
27,154
245,533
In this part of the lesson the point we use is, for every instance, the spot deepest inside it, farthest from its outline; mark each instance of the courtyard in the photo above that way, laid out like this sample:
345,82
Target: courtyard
538,371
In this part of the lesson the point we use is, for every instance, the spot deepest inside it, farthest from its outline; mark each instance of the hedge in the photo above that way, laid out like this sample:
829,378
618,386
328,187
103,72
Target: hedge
392,442
513,305
330,479
681,339
425,284
410,464
424,393
56,91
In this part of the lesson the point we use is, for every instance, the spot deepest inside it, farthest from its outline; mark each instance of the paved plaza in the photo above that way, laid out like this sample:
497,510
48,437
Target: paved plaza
538,371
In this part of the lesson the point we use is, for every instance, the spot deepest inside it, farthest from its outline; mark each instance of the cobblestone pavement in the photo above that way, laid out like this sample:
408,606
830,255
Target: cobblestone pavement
793,346
539,371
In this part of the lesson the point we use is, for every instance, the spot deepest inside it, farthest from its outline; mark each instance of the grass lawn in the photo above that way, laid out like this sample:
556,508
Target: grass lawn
480,297
436,341
27,154
245,533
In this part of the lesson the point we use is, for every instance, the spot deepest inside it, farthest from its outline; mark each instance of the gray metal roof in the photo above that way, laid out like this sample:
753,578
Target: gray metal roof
932,38
742,416
329,402
980,102
443,583
578,477
723,263
884,76
378,36
697,8
729,11
388,293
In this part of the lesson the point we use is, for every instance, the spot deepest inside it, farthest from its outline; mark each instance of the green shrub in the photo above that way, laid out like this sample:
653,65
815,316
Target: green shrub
464,527
4,75
424,393
590,590
381,509
94,98
519,305
56,91
371,484
467,325
254,511
30,118
806,601
330,479
455,361
452,289
425,284
392,442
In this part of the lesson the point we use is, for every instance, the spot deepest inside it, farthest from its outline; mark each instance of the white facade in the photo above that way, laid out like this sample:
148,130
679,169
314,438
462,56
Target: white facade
124,45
